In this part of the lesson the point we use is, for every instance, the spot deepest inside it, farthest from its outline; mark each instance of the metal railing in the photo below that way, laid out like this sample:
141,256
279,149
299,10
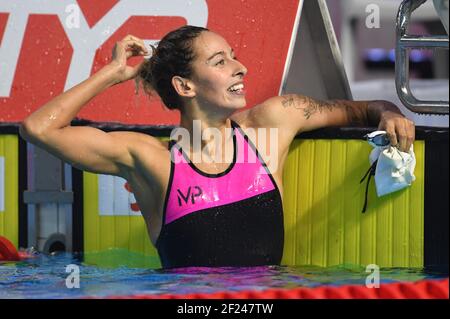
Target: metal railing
405,43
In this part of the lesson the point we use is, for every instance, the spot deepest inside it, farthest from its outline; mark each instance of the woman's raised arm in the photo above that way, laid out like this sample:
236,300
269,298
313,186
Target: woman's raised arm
85,147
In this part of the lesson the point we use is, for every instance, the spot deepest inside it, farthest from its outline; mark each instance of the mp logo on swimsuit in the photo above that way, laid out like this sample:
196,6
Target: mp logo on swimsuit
191,194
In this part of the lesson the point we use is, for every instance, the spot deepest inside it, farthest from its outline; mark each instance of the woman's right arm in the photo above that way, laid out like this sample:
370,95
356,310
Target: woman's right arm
87,148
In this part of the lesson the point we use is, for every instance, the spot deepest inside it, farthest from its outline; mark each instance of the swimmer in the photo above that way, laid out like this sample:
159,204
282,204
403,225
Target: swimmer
221,212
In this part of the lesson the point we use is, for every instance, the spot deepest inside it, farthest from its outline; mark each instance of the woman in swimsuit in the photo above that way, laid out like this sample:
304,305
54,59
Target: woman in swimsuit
202,206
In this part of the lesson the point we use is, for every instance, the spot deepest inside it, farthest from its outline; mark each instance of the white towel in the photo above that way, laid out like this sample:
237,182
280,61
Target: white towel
395,169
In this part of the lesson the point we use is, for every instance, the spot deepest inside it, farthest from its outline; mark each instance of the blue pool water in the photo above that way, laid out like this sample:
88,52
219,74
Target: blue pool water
45,277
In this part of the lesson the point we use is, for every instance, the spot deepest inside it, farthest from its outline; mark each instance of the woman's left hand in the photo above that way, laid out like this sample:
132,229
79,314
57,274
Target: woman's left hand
400,130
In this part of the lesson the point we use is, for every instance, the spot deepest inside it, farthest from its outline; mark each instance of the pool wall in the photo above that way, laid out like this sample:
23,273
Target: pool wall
323,200
9,186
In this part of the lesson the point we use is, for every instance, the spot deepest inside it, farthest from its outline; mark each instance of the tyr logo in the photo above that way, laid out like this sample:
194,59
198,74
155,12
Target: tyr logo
195,193
84,39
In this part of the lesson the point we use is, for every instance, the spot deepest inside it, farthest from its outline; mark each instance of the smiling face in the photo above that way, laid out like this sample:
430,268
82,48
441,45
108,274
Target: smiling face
217,75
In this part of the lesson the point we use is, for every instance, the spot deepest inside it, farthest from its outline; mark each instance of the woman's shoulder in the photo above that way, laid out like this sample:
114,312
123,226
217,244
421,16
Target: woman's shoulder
261,115
143,147
141,139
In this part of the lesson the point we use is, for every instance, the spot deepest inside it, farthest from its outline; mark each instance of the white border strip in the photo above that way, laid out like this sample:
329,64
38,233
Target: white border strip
287,65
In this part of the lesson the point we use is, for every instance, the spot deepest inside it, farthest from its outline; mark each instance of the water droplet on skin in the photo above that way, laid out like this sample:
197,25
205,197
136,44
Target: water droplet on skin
51,93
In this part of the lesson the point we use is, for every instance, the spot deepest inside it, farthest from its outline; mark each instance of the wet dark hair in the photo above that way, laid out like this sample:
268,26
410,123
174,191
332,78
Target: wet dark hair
172,57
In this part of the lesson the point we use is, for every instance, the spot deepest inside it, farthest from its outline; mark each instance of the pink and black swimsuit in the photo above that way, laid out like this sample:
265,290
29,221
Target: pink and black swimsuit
234,218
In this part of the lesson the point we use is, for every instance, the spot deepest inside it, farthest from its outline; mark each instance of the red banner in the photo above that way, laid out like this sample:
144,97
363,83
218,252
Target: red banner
48,46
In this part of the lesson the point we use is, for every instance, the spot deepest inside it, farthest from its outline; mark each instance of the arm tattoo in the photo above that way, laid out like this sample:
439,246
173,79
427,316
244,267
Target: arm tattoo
308,105
316,106
288,100
356,115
